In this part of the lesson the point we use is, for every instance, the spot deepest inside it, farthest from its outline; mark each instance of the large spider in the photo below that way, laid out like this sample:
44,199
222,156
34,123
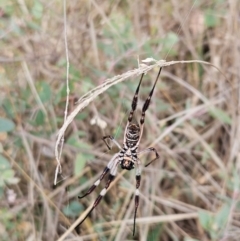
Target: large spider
127,157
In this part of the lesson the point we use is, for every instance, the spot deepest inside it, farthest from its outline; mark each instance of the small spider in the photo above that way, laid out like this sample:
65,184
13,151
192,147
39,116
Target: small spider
127,157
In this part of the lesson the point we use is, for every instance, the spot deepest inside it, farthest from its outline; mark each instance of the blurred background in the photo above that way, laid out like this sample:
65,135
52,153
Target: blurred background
193,120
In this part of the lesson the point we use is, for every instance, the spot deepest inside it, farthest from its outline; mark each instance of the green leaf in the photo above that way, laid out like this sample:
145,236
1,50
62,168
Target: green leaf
4,163
74,73
205,219
235,180
220,115
1,191
33,26
168,42
37,9
77,142
2,182
8,108
73,209
171,39
220,219
8,7
7,174
197,122
5,214
44,92
39,119
6,125
82,116
155,232
13,180
87,85
210,18
79,164
162,106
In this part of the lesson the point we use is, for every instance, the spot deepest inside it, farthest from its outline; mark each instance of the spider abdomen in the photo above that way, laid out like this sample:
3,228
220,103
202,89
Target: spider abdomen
132,135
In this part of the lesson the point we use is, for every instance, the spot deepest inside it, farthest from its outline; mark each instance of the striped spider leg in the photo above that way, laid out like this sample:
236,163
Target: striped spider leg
127,157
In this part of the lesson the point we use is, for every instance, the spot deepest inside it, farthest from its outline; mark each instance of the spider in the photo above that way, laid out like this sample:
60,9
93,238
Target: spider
127,157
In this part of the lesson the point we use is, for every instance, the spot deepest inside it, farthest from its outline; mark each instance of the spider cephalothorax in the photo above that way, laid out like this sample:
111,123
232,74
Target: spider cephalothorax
127,157
127,163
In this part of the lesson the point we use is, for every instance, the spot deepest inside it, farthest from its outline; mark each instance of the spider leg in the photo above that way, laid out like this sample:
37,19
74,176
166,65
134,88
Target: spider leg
113,140
134,106
138,180
135,100
146,105
113,172
150,149
105,171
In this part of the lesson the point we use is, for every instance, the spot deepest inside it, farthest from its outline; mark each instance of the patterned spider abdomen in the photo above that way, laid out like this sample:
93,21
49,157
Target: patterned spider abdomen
128,156
132,135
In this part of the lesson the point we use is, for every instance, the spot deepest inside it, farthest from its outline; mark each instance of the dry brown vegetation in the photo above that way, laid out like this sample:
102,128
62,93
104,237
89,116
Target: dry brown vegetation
192,191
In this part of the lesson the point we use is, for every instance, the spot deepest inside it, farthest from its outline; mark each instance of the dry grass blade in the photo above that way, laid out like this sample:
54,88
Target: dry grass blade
157,219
